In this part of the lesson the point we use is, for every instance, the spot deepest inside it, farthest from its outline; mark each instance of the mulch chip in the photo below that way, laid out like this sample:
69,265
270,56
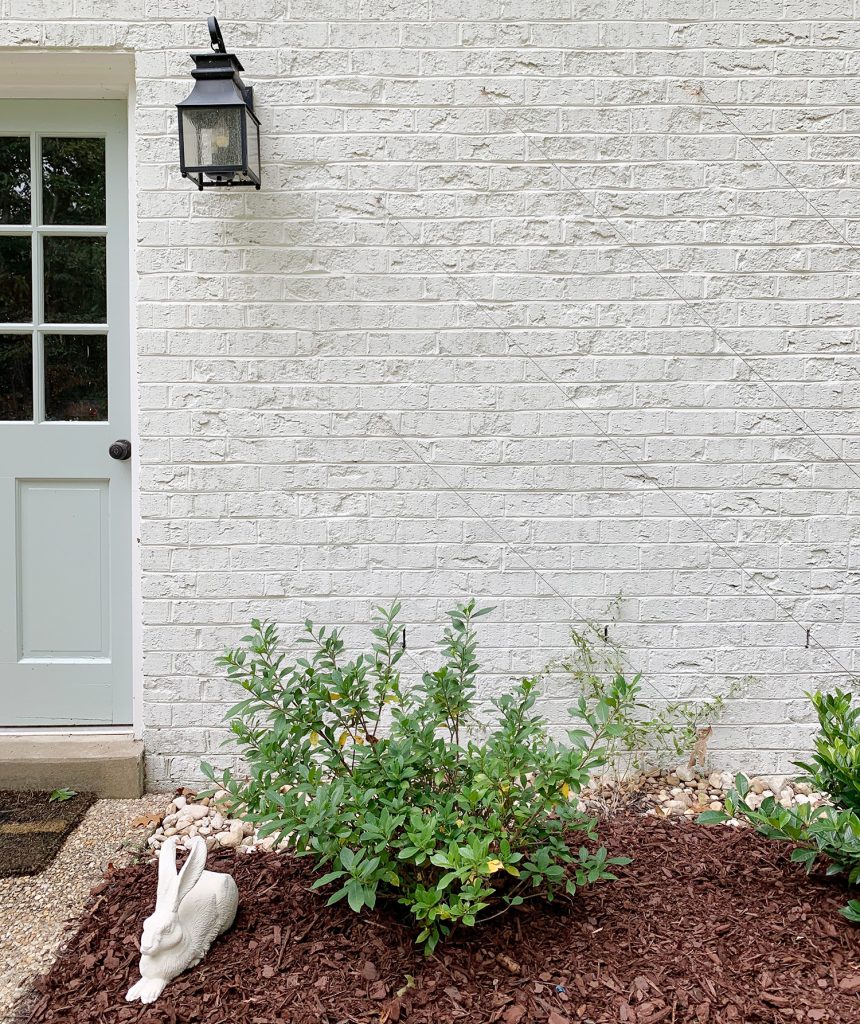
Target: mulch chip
33,828
707,925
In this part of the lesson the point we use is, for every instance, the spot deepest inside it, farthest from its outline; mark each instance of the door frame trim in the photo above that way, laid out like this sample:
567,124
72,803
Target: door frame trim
136,596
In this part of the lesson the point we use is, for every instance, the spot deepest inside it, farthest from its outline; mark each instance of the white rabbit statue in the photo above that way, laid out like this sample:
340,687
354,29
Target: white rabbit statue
191,910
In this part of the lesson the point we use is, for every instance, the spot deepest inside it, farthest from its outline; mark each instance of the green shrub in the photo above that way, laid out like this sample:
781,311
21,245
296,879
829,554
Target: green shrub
835,765
831,831
404,793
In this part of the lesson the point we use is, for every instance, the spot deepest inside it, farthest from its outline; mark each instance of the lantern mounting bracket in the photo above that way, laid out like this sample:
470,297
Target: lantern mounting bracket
215,35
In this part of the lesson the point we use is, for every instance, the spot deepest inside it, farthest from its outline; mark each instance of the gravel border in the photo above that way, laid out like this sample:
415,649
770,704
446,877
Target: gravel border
35,908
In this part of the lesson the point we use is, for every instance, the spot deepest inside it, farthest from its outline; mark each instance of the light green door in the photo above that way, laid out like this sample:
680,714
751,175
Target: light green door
65,503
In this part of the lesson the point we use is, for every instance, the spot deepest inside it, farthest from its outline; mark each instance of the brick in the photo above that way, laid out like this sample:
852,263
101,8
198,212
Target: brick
425,258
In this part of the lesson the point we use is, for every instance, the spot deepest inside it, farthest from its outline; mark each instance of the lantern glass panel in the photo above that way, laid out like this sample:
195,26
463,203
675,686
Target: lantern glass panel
212,137
253,145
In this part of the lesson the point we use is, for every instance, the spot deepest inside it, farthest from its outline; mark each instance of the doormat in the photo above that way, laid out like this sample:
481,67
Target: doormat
33,828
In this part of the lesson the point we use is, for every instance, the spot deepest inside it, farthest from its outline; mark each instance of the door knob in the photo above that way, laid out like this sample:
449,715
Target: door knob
120,450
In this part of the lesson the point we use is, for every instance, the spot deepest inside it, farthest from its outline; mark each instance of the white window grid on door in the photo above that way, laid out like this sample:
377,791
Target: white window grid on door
37,232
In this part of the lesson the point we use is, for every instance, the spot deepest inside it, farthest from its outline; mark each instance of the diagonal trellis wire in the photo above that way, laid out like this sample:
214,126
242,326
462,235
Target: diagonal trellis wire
461,289
539,575
630,244
700,91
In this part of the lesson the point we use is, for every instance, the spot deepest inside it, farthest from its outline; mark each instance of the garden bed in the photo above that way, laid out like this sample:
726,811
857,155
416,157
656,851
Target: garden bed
706,925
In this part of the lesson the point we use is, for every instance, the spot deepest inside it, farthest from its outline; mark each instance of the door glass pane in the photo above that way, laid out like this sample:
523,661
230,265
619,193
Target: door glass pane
16,377
75,283
14,180
16,295
76,383
73,181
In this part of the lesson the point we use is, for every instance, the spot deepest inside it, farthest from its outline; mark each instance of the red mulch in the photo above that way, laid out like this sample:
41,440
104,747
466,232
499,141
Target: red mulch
707,925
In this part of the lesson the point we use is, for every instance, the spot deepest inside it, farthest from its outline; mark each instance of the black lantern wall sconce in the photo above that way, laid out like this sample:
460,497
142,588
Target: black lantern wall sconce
219,133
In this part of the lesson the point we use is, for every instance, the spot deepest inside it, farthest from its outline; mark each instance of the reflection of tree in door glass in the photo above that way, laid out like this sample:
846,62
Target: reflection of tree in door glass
76,377
16,377
73,181
75,280
14,180
16,294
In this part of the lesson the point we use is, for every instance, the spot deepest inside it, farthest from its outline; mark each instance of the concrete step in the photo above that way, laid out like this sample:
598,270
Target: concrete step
105,765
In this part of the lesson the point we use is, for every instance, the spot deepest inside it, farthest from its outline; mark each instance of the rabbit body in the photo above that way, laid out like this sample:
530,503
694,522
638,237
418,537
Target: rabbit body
192,909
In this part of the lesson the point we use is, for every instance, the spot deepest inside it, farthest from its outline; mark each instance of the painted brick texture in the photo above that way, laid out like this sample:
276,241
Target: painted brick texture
461,342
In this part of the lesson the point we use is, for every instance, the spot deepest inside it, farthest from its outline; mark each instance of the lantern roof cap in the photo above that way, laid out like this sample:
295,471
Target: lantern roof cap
215,65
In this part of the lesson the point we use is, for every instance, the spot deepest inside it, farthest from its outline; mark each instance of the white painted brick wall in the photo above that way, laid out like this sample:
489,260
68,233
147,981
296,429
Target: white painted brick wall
282,334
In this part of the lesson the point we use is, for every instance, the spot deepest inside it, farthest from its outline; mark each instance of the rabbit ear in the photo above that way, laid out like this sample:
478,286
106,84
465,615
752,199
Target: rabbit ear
166,869
192,869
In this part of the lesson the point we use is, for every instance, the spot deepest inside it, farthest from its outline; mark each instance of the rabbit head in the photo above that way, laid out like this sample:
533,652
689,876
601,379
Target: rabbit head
162,930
